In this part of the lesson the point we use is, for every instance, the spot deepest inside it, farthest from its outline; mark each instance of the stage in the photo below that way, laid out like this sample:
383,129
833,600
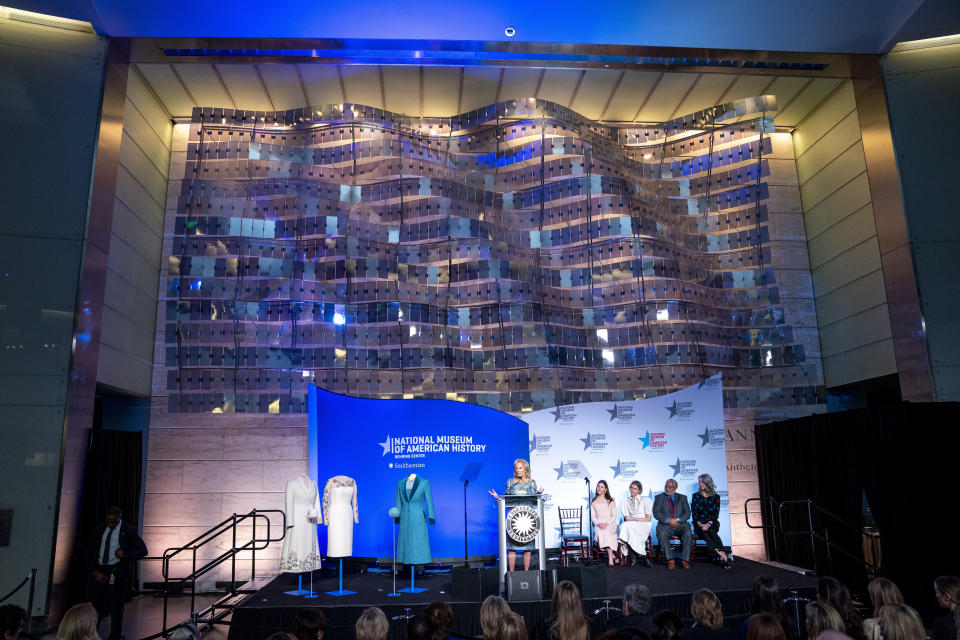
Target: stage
270,609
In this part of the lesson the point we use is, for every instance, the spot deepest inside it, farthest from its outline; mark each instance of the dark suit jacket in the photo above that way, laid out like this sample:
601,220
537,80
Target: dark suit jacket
661,508
944,628
633,621
702,633
130,543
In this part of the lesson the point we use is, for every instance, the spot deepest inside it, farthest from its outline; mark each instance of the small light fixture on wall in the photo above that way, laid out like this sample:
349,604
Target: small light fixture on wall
509,32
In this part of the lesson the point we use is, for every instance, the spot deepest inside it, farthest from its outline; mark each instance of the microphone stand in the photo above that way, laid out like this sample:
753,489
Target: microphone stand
465,562
589,525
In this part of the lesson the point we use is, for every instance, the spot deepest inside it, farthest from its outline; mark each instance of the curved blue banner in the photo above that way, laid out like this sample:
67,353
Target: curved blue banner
378,442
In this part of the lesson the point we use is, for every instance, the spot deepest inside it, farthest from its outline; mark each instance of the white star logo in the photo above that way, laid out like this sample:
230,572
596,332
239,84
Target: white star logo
385,445
523,524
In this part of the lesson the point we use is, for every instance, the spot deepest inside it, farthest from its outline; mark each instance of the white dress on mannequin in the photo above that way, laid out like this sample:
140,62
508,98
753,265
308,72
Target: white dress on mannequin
301,551
340,514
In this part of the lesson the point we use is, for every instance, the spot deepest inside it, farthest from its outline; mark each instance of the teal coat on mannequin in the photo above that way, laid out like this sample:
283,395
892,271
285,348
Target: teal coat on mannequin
413,543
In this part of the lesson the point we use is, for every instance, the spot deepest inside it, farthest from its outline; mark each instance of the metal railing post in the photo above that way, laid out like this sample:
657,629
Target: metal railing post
253,551
193,588
813,542
33,585
233,559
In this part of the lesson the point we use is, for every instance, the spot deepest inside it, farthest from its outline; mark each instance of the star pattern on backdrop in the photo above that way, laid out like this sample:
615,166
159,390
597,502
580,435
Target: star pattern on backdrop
675,467
705,436
672,409
645,439
616,469
585,441
612,412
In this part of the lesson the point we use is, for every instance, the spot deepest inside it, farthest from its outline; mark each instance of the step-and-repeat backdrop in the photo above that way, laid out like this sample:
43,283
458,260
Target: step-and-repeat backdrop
377,442
678,435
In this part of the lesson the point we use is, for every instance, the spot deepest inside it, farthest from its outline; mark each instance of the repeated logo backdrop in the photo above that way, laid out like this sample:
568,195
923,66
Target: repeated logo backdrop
679,435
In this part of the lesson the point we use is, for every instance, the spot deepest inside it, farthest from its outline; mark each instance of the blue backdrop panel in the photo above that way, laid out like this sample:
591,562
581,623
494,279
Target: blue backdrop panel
378,442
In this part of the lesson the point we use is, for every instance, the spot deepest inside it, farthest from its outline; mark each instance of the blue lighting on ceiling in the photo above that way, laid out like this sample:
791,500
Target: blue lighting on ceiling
471,53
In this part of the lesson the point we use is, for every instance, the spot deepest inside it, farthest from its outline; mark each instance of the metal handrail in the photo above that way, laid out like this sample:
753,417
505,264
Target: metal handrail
814,535
228,525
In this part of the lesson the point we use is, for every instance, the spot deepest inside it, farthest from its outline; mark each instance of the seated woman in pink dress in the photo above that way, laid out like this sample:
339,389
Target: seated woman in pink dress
603,509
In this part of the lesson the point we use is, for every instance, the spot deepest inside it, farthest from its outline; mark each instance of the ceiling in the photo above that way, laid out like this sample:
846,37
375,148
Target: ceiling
610,95
829,26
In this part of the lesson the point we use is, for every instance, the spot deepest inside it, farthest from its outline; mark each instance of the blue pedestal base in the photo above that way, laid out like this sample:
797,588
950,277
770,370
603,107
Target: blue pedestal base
300,591
341,591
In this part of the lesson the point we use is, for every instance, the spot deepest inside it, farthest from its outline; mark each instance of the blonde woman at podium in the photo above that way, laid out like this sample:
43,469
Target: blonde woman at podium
521,484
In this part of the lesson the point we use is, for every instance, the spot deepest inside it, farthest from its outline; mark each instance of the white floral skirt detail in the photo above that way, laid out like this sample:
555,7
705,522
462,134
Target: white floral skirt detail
292,563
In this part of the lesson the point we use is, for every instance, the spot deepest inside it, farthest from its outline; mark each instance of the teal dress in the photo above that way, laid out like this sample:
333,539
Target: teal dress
519,488
413,538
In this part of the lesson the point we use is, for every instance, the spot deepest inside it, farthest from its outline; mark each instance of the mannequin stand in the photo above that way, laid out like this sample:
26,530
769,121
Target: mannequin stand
341,591
394,570
300,591
411,588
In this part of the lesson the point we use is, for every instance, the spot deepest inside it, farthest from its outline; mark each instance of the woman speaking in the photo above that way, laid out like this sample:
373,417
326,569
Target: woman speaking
521,484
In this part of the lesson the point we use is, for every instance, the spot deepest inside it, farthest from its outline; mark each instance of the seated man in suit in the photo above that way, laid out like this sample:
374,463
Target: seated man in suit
637,610
113,550
672,513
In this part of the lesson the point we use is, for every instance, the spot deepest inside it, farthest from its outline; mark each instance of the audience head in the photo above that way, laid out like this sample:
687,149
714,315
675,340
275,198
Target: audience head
821,617
766,596
765,626
883,591
510,626
189,631
947,589
442,618
490,611
420,628
79,623
835,593
629,633
372,625
309,624
12,618
281,635
706,609
637,599
900,622
569,621
666,626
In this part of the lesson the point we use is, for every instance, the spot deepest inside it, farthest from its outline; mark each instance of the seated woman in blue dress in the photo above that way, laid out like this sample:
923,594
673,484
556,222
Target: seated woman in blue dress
521,484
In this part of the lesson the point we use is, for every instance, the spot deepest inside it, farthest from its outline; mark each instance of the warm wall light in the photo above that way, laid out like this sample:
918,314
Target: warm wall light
927,43
45,20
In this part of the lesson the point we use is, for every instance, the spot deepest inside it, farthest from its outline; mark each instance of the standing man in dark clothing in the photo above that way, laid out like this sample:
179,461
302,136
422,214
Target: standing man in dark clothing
112,552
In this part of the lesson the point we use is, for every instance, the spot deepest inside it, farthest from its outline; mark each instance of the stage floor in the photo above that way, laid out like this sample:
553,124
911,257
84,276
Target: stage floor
270,609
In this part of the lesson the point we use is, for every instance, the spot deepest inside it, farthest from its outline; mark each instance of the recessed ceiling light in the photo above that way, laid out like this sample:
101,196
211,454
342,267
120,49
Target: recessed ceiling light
510,32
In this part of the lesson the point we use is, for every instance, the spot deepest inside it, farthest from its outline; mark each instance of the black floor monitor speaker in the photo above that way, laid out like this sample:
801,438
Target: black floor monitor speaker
524,585
474,584
590,579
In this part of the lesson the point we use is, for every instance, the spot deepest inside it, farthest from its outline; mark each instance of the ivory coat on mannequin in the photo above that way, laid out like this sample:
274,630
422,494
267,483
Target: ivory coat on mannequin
301,551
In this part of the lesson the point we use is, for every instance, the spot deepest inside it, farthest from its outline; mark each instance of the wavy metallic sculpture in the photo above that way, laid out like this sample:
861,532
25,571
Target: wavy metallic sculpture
519,256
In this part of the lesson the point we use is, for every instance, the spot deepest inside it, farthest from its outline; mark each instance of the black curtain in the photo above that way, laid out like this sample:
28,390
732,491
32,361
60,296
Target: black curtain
901,457
112,477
